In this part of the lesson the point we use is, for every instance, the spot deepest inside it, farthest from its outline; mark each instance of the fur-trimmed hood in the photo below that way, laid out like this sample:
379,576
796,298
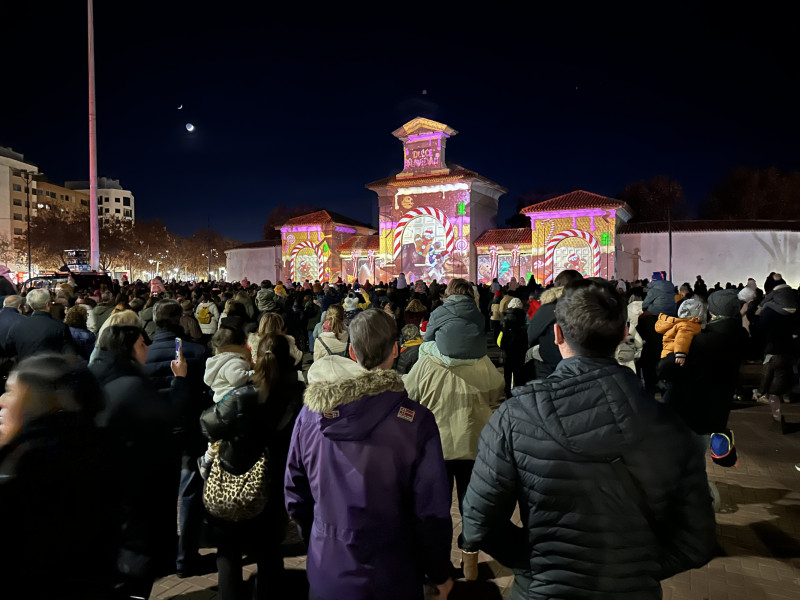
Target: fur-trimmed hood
551,295
334,381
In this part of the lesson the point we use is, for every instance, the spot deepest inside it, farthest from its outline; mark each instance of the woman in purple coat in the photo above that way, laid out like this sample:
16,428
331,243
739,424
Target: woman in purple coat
366,480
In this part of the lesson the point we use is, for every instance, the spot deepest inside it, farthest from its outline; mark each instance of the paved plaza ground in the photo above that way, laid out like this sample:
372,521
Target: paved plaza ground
759,529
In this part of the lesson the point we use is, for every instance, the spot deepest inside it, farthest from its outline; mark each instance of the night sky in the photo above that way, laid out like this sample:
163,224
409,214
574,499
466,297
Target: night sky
297,106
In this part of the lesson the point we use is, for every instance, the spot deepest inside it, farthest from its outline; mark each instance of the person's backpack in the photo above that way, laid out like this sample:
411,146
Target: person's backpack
203,315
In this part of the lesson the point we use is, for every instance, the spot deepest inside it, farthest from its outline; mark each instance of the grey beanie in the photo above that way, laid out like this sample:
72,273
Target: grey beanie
691,308
724,303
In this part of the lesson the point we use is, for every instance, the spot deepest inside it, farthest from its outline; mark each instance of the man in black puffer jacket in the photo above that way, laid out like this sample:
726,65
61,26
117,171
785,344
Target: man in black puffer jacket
611,486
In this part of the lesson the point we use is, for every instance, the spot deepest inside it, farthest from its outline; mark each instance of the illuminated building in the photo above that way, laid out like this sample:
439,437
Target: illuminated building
431,213
113,202
310,245
437,221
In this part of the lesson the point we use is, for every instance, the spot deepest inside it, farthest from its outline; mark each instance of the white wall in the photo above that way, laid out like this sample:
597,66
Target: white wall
256,264
716,255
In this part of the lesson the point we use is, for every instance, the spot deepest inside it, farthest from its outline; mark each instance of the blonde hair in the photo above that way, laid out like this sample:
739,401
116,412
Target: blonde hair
416,306
124,317
334,316
271,323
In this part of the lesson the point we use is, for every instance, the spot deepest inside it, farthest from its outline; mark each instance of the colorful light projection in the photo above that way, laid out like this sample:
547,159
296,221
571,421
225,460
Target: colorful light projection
581,239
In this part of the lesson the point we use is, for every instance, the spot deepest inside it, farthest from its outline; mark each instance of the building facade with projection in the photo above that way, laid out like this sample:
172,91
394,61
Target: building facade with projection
438,221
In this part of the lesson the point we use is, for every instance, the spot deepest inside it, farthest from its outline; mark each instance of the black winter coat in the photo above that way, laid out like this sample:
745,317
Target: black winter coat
702,390
515,337
138,424
246,428
549,448
158,368
39,333
407,359
540,331
56,504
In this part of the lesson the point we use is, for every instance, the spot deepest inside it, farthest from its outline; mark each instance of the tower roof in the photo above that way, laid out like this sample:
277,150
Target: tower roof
421,125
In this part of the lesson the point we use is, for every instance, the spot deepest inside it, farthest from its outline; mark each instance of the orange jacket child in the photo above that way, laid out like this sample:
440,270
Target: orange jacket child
679,331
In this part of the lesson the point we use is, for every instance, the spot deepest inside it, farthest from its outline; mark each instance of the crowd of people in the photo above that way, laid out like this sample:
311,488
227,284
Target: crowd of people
121,402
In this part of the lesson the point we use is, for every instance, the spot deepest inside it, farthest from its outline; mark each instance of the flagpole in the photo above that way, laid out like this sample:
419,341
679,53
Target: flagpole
94,232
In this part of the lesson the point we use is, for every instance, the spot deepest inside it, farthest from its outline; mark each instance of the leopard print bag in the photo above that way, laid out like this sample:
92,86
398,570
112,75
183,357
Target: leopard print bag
237,497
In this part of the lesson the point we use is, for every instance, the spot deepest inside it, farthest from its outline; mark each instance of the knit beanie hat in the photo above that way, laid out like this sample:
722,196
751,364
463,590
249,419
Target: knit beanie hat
264,296
691,308
724,303
659,276
350,304
747,294
515,303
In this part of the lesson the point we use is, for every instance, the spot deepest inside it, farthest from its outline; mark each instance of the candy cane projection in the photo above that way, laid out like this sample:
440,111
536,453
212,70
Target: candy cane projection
424,211
493,250
355,255
515,259
371,262
559,237
300,246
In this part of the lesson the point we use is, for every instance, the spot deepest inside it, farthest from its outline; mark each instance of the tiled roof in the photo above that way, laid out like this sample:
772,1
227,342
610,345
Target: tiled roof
704,226
574,200
456,172
360,242
505,236
325,216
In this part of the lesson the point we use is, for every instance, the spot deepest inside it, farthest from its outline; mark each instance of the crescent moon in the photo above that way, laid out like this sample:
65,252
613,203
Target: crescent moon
189,127
180,106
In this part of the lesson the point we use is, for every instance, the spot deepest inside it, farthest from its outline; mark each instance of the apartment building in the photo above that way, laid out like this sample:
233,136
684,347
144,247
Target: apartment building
113,202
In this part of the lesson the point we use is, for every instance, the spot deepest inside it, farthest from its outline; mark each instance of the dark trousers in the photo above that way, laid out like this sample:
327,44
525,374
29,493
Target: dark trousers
459,473
516,367
269,579
190,516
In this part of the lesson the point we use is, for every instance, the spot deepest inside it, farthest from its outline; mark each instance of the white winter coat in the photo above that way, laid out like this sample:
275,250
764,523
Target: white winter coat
225,372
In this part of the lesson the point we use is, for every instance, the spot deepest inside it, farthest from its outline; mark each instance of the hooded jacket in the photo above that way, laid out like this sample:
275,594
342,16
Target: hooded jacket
549,448
460,394
678,334
367,486
457,327
660,298
209,328
225,372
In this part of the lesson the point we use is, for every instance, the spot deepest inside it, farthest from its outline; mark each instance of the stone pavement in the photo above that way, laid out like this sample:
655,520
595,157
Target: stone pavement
759,528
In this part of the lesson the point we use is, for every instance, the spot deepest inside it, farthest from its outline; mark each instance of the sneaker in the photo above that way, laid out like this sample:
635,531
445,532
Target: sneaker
761,399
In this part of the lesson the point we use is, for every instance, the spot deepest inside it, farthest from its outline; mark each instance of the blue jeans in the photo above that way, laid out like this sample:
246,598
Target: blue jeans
190,517
311,342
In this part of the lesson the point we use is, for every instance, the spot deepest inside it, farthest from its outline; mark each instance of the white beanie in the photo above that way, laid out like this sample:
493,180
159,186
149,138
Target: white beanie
515,303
